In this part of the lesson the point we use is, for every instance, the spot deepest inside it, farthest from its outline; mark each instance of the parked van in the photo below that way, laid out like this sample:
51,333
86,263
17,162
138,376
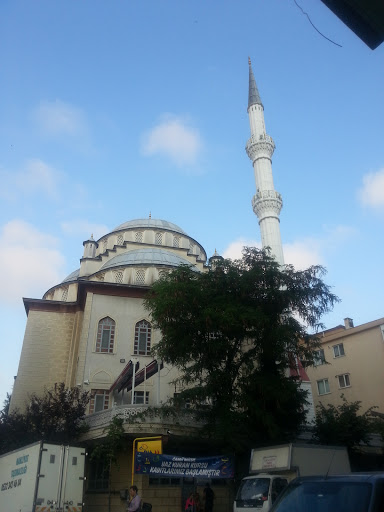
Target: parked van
272,468
258,493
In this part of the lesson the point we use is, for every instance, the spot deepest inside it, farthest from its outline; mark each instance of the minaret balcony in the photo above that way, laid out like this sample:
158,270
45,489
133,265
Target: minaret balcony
261,146
266,202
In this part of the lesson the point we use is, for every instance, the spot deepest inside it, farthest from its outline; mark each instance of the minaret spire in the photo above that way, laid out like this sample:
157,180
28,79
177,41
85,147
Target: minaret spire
267,203
253,95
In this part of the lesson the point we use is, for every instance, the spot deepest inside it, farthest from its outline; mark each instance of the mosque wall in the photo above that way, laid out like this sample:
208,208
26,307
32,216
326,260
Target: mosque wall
45,353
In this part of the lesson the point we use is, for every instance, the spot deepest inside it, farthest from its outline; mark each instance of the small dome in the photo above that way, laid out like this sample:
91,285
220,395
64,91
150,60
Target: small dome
146,257
150,224
73,276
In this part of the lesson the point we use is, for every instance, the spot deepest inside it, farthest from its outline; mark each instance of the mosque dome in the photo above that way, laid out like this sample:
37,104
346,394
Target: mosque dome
150,224
133,253
146,257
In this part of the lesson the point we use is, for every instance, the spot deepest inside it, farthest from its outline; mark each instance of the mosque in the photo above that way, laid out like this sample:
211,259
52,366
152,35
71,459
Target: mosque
92,330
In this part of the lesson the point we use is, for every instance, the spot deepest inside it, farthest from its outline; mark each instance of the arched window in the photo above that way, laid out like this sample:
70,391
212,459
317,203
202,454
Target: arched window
142,344
105,336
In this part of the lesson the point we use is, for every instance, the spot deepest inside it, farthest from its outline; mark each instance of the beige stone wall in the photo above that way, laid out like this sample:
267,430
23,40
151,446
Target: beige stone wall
44,356
363,362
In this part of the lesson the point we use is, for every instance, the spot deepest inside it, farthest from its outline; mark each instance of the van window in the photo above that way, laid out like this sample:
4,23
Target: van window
278,485
253,492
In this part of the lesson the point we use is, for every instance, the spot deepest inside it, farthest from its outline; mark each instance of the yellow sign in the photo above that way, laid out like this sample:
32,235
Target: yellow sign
155,446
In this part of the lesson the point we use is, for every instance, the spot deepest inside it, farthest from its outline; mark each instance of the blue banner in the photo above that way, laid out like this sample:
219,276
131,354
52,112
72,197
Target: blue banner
154,464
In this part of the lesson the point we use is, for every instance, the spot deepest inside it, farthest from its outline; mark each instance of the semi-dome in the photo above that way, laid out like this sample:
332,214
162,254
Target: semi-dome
151,224
145,257
73,276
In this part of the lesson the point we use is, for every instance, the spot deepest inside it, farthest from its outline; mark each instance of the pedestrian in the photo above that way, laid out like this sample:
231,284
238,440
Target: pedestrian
190,503
208,496
134,500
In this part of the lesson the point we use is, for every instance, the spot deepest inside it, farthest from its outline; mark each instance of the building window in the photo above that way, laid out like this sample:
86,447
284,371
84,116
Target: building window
141,397
176,241
105,336
119,277
120,240
159,238
105,244
191,247
99,400
338,350
323,386
64,295
139,236
344,381
98,476
140,277
142,345
318,357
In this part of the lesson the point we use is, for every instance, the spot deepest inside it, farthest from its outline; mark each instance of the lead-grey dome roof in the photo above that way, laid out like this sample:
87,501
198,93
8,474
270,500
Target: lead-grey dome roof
150,223
72,276
146,257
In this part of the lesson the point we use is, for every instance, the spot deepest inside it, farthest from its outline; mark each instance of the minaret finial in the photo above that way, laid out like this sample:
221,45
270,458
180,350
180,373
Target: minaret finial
253,94
150,215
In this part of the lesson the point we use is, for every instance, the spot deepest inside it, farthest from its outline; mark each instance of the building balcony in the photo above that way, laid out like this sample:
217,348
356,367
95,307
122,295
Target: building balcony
135,421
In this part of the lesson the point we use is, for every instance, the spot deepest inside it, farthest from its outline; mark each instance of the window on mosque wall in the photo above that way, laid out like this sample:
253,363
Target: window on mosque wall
64,295
142,344
141,397
99,400
120,240
118,276
159,238
139,236
105,336
140,277
176,241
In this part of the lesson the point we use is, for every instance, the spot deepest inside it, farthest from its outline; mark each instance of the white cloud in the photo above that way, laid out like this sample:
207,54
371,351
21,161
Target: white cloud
174,139
372,191
35,177
300,254
30,261
84,228
235,248
59,118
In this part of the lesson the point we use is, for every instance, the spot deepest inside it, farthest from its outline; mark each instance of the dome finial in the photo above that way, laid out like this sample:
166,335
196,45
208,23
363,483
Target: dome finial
150,215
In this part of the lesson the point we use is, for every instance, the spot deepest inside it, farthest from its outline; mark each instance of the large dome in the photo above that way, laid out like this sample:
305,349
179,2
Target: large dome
150,223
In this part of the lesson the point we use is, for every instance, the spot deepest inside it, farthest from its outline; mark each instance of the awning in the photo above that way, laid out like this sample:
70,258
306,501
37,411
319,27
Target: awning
124,376
144,374
124,380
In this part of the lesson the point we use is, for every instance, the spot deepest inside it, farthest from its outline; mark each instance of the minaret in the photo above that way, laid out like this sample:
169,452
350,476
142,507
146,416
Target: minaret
266,203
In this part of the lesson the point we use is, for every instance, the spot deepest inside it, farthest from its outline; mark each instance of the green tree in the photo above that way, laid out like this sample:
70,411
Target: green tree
344,425
58,416
107,452
233,332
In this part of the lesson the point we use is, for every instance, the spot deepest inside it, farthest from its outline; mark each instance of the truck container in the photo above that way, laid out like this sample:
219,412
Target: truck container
272,468
42,477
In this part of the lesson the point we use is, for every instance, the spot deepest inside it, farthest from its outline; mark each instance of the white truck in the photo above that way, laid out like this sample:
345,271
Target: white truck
274,467
42,477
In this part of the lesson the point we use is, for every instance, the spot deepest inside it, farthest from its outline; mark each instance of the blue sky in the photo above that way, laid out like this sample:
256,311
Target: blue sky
112,110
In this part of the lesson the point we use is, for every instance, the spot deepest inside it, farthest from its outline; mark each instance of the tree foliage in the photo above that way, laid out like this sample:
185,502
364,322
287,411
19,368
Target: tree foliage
232,332
56,416
344,425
